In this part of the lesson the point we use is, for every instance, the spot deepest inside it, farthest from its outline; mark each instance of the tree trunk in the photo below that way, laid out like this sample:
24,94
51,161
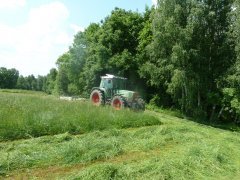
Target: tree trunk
183,100
199,99
220,112
213,112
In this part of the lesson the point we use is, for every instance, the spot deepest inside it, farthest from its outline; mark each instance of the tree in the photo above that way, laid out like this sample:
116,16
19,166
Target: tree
112,48
109,47
231,81
119,36
41,83
51,80
31,82
189,52
62,78
143,57
78,52
21,83
61,84
8,78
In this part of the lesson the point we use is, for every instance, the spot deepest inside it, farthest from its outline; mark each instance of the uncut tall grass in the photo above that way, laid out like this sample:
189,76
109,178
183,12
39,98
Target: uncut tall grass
31,115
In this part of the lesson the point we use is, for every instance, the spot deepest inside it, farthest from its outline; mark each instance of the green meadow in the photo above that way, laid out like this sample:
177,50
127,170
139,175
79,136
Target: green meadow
42,137
32,114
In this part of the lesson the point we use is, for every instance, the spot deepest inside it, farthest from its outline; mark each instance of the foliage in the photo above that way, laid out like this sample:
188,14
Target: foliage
8,78
33,83
231,80
109,47
187,70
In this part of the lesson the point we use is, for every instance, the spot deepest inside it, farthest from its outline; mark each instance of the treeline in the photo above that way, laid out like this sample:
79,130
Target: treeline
183,54
10,79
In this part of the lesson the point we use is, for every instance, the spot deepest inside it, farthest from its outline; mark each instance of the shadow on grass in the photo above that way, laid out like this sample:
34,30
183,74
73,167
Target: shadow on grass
230,126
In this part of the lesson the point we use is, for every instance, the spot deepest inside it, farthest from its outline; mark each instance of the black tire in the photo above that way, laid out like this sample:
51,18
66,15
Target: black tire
97,97
118,102
140,104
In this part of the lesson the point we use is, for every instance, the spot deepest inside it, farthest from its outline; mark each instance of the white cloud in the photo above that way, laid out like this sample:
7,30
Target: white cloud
76,28
12,3
34,46
154,2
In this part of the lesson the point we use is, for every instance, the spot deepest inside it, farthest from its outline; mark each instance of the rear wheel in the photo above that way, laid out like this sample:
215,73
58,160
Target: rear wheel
97,97
118,102
140,104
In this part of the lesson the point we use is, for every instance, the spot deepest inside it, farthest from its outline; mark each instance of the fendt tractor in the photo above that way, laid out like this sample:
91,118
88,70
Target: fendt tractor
112,91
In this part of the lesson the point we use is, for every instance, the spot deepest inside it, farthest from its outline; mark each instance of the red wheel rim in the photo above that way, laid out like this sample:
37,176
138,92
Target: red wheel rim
95,98
117,104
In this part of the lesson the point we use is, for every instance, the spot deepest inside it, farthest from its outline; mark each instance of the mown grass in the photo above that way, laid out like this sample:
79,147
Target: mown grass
26,115
174,150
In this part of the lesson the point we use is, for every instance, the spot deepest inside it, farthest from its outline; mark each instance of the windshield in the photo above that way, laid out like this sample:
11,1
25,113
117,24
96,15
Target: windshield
106,83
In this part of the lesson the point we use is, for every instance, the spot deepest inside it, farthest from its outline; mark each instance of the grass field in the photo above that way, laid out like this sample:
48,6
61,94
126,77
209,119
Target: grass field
31,114
166,147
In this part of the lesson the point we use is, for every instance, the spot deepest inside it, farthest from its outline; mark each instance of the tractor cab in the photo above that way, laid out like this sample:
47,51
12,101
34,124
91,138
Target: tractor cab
106,82
111,84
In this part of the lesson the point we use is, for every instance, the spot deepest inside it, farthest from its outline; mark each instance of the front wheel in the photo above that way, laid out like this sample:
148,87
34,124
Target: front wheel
97,97
118,102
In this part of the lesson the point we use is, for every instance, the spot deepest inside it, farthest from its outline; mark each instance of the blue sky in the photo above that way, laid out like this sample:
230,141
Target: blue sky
34,33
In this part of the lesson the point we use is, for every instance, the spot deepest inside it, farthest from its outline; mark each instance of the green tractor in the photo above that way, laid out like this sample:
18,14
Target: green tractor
112,91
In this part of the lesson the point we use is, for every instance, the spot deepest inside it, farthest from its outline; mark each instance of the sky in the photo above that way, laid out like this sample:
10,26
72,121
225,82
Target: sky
34,33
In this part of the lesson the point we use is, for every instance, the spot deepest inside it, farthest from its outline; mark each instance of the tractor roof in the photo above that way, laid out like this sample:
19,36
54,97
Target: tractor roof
110,76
